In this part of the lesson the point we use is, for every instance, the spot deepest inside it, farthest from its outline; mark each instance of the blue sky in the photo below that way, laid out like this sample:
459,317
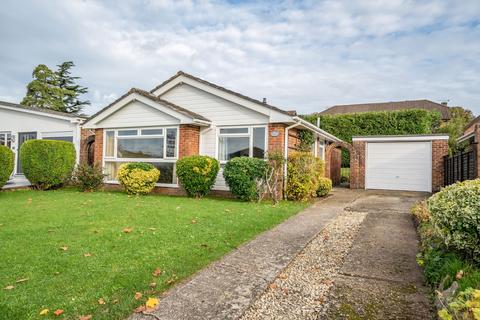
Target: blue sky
304,55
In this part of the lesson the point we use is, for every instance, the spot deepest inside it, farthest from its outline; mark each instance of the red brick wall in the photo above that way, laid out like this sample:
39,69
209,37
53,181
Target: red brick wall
293,140
357,167
98,146
189,140
439,150
276,143
84,135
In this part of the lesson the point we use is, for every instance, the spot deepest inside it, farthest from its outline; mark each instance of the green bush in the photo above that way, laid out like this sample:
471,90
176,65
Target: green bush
242,175
197,174
6,164
303,173
88,178
138,177
47,163
455,215
324,186
345,126
465,306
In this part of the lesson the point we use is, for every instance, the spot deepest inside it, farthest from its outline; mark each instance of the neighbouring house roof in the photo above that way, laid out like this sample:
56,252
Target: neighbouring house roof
390,106
46,112
474,121
181,73
154,98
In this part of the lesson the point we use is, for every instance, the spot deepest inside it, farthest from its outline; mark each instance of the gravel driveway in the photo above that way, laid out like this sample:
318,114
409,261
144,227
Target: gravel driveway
361,266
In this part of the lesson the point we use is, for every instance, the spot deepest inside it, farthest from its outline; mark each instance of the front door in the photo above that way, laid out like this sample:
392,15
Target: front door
22,137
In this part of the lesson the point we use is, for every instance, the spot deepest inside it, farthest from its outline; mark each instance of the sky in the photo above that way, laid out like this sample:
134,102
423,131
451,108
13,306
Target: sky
300,55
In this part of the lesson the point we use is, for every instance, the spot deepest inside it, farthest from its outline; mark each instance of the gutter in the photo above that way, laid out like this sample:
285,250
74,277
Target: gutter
313,127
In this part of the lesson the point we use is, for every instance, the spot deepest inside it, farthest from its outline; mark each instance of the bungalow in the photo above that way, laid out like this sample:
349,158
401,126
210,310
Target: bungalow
20,123
186,115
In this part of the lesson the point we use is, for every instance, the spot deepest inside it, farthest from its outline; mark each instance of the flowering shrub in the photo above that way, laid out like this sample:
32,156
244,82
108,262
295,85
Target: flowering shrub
138,177
197,174
88,178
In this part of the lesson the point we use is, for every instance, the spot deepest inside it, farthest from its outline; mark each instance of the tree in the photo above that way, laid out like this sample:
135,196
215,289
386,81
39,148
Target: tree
66,81
55,90
455,127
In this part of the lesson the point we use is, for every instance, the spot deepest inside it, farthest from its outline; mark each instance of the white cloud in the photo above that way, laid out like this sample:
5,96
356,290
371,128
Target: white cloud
302,55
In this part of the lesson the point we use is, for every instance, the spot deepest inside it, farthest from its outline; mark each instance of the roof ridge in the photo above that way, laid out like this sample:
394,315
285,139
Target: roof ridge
39,109
182,73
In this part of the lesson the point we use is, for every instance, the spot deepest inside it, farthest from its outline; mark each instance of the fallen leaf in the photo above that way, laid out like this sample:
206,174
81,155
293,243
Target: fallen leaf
177,208
115,301
87,317
87,254
44,312
283,276
138,295
56,273
101,301
140,309
193,221
22,280
170,281
285,291
151,303
153,284
227,210
127,230
64,248
157,272
273,286
9,287
58,312
152,229
459,275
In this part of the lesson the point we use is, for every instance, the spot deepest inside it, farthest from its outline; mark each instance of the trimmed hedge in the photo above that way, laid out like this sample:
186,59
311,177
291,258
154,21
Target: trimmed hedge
138,177
242,174
197,174
6,164
47,163
345,126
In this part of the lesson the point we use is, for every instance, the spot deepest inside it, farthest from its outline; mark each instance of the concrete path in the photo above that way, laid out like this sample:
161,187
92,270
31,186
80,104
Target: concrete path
380,278
225,289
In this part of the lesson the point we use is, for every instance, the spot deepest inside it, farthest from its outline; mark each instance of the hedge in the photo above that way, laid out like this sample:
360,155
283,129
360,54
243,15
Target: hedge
345,126
242,175
6,164
47,163
197,174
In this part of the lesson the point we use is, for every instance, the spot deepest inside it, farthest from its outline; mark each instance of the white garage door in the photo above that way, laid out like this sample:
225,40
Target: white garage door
399,166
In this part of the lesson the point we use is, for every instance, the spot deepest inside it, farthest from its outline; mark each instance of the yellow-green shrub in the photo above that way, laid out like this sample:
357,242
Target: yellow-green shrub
466,306
138,177
303,173
197,174
324,186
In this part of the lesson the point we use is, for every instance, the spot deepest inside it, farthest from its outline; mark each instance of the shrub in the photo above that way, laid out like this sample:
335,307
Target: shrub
465,306
270,186
303,173
6,164
88,178
324,186
197,174
47,163
138,177
420,211
242,174
455,215
345,126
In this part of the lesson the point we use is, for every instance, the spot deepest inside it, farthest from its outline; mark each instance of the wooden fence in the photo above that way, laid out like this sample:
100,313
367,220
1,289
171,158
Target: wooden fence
460,167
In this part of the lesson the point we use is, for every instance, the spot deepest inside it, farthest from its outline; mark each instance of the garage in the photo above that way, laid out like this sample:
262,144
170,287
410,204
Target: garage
408,163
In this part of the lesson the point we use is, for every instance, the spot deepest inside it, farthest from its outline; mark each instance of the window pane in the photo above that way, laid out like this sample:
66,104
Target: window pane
140,148
233,130
2,139
109,143
110,170
146,132
9,140
127,132
259,143
167,172
171,142
231,147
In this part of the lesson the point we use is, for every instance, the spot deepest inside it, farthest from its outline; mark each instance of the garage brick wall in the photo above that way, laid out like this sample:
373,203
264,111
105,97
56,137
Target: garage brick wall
439,150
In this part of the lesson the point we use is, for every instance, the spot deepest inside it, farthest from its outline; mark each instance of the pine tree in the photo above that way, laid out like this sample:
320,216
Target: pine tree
66,81
55,90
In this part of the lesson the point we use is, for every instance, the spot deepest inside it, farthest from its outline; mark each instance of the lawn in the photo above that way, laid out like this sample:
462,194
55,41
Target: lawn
76,248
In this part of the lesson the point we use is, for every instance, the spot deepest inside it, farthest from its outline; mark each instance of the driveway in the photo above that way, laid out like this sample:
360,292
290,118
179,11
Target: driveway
349,256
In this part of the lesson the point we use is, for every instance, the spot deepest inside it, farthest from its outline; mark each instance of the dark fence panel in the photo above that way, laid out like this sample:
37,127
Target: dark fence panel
460,167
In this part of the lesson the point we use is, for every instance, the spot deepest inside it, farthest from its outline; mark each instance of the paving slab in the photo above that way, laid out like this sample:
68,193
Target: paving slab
226,288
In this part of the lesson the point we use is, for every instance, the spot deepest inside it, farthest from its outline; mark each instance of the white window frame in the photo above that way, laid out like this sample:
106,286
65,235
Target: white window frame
249,134
165,159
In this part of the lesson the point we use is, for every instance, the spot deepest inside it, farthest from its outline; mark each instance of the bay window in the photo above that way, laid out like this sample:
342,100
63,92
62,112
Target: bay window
157,146
248,141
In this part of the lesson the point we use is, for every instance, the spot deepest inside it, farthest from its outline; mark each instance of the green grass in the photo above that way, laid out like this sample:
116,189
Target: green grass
178,235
